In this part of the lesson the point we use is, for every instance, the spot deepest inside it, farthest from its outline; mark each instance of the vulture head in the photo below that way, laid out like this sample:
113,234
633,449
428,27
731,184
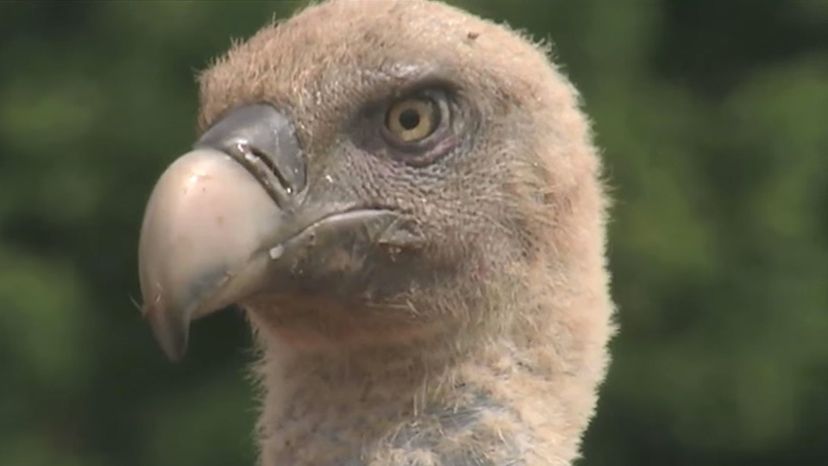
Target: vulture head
406,202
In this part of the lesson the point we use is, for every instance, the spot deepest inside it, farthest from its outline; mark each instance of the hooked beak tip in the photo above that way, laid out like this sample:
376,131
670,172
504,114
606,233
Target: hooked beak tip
171,330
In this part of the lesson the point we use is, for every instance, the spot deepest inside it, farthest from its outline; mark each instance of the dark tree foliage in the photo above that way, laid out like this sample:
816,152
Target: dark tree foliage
713,119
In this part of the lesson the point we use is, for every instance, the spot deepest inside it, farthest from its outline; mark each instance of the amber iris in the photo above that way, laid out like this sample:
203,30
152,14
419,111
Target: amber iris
412,119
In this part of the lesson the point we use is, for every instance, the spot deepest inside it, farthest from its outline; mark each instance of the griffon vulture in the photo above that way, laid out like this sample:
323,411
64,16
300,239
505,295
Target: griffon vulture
406,202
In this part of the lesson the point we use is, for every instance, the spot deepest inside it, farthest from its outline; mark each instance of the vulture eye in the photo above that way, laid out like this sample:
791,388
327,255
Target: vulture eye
416,129
412,119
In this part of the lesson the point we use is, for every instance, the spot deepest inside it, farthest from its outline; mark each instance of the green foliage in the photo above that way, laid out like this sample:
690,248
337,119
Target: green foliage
713,122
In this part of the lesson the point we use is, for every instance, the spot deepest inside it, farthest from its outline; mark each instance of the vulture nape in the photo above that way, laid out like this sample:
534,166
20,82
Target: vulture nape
406,201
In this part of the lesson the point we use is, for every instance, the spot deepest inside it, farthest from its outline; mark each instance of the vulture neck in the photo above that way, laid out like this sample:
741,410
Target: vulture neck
428,403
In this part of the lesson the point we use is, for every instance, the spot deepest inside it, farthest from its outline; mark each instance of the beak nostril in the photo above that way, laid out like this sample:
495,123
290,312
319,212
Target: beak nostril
255,152
263,140
261,166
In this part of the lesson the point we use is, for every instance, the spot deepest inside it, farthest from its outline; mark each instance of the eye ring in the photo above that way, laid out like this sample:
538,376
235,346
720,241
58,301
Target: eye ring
415,128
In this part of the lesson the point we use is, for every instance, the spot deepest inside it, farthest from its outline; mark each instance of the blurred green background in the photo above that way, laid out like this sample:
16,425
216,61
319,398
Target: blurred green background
713,119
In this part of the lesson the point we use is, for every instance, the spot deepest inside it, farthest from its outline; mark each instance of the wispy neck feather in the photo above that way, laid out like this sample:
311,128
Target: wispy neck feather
434,402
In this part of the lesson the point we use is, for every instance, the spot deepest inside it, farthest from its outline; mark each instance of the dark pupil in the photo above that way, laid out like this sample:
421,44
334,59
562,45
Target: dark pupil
409,119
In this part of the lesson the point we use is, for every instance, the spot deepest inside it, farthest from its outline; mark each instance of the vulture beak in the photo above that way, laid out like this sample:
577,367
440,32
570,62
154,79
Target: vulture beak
230,220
